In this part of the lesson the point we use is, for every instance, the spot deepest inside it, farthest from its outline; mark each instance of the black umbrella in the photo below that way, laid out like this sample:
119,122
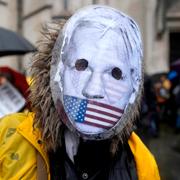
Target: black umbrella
157,76
175,66
12,43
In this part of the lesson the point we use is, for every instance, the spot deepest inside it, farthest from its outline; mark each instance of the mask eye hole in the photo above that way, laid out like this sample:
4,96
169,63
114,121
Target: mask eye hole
116,73
81,64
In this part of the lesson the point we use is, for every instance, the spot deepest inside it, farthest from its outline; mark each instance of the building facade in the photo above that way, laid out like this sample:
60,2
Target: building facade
156,19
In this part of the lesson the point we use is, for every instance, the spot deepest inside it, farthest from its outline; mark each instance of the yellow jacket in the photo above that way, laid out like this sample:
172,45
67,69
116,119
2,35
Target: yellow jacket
20,144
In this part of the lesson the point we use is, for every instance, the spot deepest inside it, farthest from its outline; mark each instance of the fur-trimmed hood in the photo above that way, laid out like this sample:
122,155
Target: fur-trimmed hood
46,115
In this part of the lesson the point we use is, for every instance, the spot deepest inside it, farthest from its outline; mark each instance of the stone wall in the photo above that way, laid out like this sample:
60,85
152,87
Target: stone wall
36,13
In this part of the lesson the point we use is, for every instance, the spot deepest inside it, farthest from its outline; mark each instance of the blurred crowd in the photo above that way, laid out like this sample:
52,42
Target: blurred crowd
161,102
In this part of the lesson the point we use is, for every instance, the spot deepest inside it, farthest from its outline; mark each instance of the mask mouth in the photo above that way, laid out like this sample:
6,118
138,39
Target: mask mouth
89,116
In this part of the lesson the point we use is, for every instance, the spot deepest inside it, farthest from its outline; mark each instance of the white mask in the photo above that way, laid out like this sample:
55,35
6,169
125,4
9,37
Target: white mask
98,72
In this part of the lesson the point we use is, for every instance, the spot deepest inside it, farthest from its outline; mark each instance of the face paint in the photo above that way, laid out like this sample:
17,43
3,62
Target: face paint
93,77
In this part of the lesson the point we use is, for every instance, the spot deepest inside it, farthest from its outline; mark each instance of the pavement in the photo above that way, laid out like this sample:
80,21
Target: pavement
166,150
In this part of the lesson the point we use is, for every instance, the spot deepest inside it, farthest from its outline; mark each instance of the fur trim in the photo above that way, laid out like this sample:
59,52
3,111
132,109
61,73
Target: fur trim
46,116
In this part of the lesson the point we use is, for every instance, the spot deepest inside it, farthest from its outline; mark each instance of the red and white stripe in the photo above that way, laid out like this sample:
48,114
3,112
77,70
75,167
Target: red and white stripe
101,115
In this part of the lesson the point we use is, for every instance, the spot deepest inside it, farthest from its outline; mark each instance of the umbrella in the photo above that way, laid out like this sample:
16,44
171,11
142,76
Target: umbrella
175,66
12,43
157,76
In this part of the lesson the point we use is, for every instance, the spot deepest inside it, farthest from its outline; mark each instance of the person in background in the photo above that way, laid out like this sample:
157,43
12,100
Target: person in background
166,84
14,91
175,97
87,86
150,117
162,91
173,103
17,79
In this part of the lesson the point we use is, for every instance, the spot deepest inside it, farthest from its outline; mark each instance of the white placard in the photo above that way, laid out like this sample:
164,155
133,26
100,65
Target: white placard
11,100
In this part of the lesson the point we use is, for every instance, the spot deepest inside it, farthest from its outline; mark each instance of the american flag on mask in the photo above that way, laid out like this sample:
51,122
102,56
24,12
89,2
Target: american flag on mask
91,113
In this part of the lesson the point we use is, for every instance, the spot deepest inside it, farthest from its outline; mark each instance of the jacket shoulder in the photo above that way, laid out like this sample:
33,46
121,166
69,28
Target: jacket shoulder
12,120
15,162
145,162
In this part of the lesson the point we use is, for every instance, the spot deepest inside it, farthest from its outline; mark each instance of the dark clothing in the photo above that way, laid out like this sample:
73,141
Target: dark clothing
94,162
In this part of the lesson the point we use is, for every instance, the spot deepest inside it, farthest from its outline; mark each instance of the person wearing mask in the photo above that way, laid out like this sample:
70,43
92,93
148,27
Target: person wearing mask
85,95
